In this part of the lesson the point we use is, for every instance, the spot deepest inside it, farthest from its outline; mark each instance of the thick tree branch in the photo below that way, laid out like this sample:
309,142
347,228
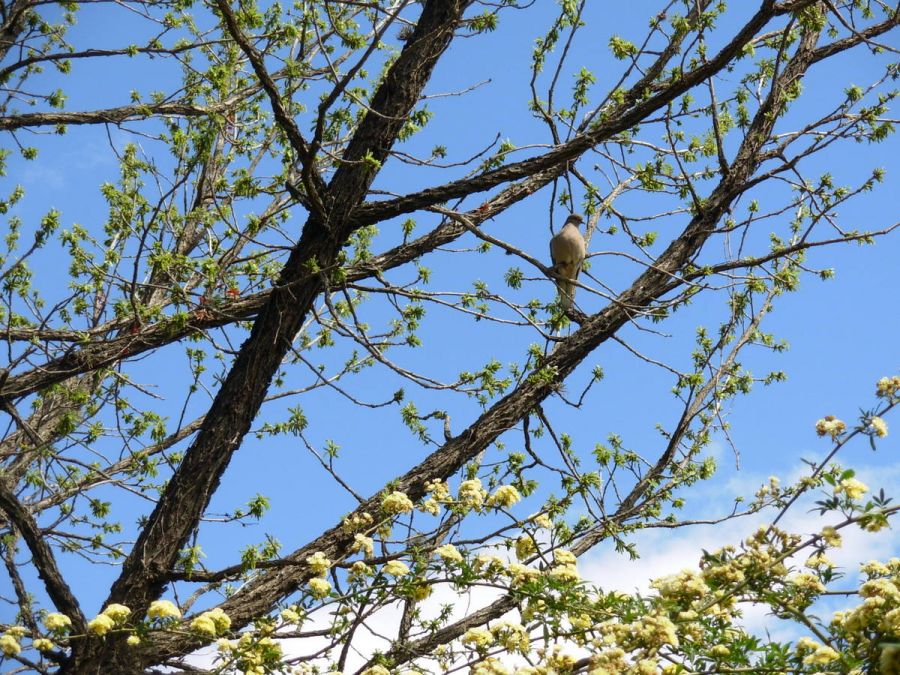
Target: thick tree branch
243,390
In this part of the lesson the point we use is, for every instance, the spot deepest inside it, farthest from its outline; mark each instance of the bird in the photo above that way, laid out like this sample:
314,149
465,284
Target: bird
567,251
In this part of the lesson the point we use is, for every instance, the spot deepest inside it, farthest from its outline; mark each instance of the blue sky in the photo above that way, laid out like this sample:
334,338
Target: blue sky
842,332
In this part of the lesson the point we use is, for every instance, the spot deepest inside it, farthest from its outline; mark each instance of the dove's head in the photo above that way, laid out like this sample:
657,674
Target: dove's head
574,219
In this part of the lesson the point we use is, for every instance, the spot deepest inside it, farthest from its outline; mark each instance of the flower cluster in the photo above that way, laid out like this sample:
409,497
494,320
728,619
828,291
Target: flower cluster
888,387
253,653
112,616
358,522
505,496
471,494
163,609
851,487
396,503
213,623
438,493
830,426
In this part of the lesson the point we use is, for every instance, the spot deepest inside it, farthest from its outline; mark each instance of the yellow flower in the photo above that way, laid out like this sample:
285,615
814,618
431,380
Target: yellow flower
448,553
319,587
851,487
57,622
133,641
431,506
211,623
889,661
17,631
830,426
438,489
477,637
525,547
471,493
564,573
318,564
822,655
376,670
563,557
44,645
396,569
878,426
720,650
542,520
9,645
117,612
290,615
831,536
364,544
506,496
204,624
100,625
359,570
163,609
886,386
396,502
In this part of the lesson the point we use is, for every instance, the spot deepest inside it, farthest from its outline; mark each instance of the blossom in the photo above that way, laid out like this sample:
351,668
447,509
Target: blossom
204,624
489,562
133,641
831,426
318,564
525,547
822,655
117,612
477,637
887,386
542,520
874,568
319,587
211,623
564,573
395,568
490,666
506,495
563,557
100,625
449,553
290,615
511,636
357,521
851,487
878,427
9,645
819,560
43,645
359,570
431,506
57,622
163,609
17,631
831,536
376,670
438,489
396,502
471,493
521,574
807,582
364,544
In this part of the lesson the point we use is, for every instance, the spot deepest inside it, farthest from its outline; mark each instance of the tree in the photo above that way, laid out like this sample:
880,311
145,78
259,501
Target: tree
279,209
